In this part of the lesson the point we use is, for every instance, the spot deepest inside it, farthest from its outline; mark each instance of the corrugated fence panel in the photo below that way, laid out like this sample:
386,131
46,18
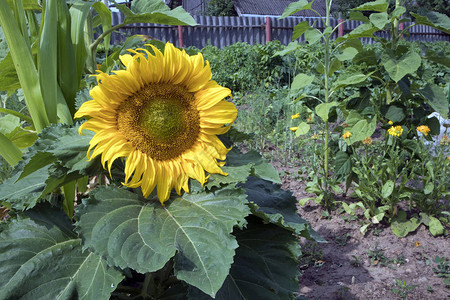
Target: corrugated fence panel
224,31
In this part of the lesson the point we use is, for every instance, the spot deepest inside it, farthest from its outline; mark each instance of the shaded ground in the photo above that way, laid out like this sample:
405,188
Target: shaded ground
342,268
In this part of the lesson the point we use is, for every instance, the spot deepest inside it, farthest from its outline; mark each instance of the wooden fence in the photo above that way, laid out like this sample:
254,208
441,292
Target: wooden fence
224,31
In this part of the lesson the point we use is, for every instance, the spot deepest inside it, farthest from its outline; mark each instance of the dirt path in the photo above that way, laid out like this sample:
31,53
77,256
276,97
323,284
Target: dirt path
342,268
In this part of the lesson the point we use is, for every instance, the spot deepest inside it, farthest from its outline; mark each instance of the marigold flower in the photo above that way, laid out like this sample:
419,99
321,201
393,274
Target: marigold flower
423,129
390,122
395,130
296,116
367,141
162,114
294,129
347,134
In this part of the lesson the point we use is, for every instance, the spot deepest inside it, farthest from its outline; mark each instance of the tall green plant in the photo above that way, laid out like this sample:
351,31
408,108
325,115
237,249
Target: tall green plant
394,71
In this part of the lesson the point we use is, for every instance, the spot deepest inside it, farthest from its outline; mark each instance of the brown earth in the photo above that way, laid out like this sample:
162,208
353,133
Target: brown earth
342,268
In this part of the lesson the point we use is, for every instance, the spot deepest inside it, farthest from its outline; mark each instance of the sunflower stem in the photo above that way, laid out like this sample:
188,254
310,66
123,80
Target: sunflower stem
326,88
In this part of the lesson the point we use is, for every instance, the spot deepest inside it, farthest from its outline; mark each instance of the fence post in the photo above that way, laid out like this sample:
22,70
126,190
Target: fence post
268,30
180,36
341,26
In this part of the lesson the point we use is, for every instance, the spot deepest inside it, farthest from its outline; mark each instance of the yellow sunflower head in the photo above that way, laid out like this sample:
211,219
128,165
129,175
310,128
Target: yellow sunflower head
162,114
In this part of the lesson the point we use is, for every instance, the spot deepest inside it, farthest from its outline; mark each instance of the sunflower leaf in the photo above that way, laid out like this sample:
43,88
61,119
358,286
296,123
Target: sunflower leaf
265,265
42,258
155,11
130,231
261,168
272,204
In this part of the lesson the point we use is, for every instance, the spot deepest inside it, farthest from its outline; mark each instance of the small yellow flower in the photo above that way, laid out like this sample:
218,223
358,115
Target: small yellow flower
296,116
315,137
395,130
423,129
294,129
448,158
390,122
418,244
346,135
367,141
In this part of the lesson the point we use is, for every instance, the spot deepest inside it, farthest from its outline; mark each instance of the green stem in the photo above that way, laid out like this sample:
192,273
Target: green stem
17,114
93,46
146,285
326,87
395,29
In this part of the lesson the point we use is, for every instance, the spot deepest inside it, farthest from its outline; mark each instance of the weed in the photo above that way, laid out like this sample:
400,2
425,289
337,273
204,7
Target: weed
399,260
342,240
376,231
430,289
356,261
377,257
312,256
442,269
402,289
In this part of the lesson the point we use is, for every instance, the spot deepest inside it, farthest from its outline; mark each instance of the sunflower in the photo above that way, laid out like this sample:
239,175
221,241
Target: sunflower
162,114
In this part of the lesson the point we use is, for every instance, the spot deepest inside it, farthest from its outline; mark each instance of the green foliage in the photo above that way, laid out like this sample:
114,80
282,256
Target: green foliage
402,288
263,266
195,237
243,67
132,232
220,8
42,257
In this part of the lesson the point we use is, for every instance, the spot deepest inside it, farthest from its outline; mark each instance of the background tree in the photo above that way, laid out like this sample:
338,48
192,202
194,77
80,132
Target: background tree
416,6
220,8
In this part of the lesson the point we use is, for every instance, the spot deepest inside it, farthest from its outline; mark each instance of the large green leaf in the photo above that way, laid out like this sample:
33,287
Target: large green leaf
25,193
398,67
269,202
141,234
294,7
300,29
48,59
265,265
66,60
58,156
261,167
379,20
436,98
350,77
435,20
155,11
323,109
401,225
359,127
301,80
379,6
42,258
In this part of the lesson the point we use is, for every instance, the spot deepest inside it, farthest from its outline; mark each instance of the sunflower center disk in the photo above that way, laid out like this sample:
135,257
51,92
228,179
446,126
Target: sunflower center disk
160,120
163,118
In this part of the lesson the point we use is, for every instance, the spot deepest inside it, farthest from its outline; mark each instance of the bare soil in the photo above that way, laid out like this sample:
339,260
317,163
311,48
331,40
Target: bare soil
342,268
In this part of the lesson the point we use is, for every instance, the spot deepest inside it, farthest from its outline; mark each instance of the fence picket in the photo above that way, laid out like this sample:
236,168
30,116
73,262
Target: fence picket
224,31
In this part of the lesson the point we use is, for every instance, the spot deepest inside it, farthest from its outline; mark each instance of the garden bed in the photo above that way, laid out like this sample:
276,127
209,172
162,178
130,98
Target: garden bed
342,268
